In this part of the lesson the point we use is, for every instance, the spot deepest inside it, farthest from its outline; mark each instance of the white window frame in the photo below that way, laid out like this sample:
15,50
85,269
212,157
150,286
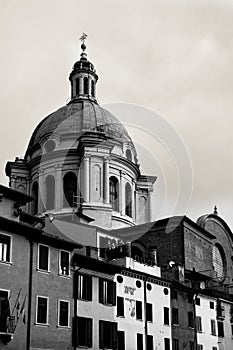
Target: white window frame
10,255
59,263
58,313
47,314
38,258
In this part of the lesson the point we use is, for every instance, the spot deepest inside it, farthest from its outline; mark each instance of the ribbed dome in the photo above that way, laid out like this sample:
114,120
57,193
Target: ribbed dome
78,117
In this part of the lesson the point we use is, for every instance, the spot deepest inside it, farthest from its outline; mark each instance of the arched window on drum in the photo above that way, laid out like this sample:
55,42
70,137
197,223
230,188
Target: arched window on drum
70,188
50,192
128,200
218,261
114,193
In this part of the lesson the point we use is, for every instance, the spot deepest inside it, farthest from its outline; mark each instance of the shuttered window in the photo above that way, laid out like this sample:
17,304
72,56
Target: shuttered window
84,287
107,292
83,333
107,335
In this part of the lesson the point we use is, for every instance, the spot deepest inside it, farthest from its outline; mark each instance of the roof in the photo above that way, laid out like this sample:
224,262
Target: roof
16,196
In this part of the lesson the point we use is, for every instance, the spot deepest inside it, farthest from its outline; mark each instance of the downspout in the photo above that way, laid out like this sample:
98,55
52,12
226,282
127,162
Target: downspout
195,325
145,323
28,341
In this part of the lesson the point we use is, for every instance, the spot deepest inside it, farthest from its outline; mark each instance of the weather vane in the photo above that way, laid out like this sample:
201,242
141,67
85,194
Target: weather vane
83,38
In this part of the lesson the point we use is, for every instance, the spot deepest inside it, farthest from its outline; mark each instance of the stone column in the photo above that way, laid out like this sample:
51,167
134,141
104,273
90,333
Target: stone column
86,179
106,180
58,187
41,192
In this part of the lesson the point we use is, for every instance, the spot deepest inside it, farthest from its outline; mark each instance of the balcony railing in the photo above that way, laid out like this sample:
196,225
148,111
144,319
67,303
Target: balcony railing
7,325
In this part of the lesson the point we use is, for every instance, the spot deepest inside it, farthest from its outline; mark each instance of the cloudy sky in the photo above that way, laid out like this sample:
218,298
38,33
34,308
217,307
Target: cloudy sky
167,63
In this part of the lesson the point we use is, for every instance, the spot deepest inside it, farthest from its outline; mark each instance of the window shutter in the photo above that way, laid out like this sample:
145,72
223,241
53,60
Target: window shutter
89,288
114,335
101,334
101,295
114,293
89,333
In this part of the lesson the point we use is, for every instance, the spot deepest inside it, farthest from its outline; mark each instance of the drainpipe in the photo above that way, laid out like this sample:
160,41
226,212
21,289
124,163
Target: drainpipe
194,316
28,341
145,322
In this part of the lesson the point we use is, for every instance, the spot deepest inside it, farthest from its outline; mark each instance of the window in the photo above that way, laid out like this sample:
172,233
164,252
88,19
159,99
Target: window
190,319
84,287
114,193
63,313
149,314
43,253
218,260
34,205
190,298
138,310
64,268
107,335
150,343
4,309
70,189
5,245
191,344
93,88
50,192
83,334
128,154
85,85
77,86
199,347
166,344
120,306
213,327
128,200
107,292
198,324
42,310
139,341
166,315
175,344
220,329
121,340
211,305
198,301
214,348
175,318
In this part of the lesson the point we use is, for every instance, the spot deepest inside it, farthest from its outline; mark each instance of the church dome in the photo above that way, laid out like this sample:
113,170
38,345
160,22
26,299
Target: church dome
76,118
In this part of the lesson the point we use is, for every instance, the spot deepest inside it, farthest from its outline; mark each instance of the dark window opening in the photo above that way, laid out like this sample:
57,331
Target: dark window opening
77,86
138,310
85,85
128,200
93,88
84,287
35,192
198,324
213,327
43,257
42,310
166,344
83,335
166,315
50,192
70,189
174,294
5,245
120,340
150,343
64,263
4,310
107,335
211,305
198,301
120,306
190,319
175,316
220,329
149,313
114,193
175,344
64,313
107,292
139,341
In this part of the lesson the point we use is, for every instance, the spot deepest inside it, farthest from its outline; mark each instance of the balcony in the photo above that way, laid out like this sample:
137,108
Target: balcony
140,266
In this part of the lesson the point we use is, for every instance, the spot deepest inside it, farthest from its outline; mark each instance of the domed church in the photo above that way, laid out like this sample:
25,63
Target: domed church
81,161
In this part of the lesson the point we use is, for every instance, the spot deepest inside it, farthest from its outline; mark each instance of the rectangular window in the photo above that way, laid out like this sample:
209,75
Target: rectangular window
166,315
63,313
220,329
5,245
175,318
175,344
166,344
42,310
150,342
84,285
213,327
107,335
83,334
139,341
120,306
198,301
190,319
199,347
138,310
190,298
43,260
121,340
64,263
211,305
107,292
149,313
4,309
214,348
198,324
174,294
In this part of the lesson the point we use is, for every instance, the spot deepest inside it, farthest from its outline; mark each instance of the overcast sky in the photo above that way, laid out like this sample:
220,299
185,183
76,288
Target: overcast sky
171,57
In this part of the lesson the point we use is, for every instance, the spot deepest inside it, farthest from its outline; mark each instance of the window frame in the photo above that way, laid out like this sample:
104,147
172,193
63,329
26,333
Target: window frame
84,294
107,292
59,267
59,311
166,316
47,311
139,341
38,258
175,344
109,328
175,316
9,249
139,313
199,324
149,312
120,307
220,329
213,327
88,341
190,324
167,344
150,342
